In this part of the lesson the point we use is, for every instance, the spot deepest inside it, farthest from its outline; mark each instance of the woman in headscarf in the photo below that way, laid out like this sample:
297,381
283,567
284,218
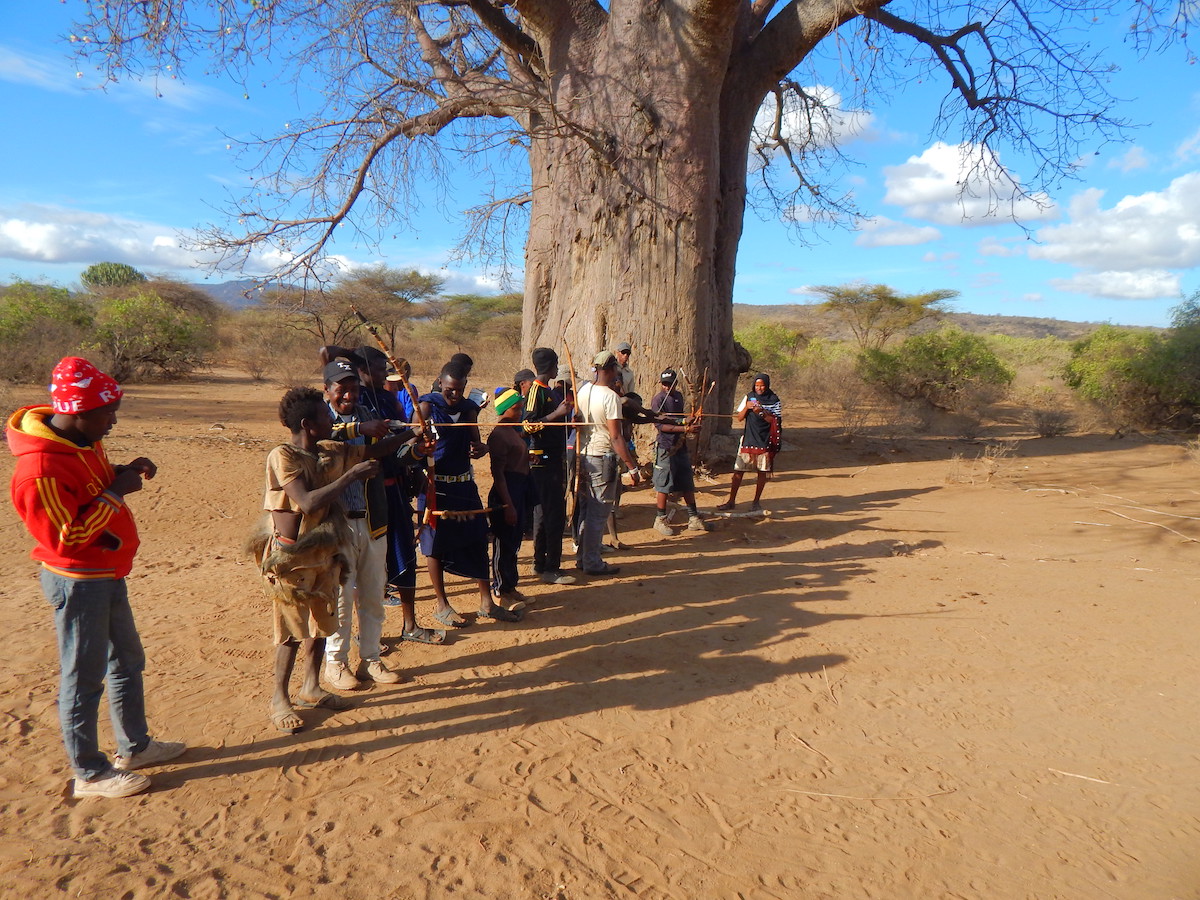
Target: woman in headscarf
762,411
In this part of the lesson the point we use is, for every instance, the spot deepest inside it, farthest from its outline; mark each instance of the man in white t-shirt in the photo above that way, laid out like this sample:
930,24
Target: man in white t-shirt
601,445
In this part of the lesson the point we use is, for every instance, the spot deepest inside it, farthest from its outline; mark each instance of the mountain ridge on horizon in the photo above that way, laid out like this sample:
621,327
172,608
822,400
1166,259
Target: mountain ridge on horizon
806,317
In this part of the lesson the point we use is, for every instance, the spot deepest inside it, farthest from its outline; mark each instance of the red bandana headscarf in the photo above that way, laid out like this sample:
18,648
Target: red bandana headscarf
76,386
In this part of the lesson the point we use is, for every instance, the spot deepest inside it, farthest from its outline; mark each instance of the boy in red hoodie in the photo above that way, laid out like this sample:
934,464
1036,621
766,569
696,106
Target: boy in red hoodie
72,500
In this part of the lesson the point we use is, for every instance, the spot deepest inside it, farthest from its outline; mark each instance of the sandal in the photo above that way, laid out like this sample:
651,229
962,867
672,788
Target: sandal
325,701
500,614
286,721
727,506
451,619
421,635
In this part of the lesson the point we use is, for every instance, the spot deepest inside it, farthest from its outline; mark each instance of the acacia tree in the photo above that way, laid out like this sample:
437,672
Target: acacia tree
386,296
638,120
875,313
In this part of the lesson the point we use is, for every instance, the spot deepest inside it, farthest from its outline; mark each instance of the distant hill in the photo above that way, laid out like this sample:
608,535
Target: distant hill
804,317
237,294
811,320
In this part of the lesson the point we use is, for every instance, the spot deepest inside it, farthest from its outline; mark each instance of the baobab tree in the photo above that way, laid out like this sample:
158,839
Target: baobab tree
637,122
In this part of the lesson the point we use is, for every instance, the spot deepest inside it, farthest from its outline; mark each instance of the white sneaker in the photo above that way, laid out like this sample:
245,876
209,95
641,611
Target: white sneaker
556,576
338,675
156,752
113,783
377,672
695,523
661,526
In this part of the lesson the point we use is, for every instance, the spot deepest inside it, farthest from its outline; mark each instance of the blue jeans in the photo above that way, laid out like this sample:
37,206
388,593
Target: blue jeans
599,494
97,640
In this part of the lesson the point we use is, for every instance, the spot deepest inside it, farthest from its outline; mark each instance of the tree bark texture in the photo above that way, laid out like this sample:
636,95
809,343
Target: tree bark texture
638,172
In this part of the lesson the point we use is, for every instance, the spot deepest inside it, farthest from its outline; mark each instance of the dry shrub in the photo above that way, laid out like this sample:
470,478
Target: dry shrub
32,357
1049,422
983,467
831,382
1192,448
900,418
8,400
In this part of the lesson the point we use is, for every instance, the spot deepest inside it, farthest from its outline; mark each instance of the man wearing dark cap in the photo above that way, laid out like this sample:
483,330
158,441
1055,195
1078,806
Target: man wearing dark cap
672,462
601,444
366,551
547,466
522,381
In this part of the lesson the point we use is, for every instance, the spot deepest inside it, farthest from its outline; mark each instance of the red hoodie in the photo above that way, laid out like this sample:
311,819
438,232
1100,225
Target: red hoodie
60,490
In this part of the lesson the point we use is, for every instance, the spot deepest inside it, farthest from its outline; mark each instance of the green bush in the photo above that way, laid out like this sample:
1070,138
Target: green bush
140,333
773,347
39,324
948,369
1044,355
1136,378
110,274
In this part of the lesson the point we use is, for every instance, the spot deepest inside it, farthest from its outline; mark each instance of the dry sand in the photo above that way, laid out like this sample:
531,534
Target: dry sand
917,678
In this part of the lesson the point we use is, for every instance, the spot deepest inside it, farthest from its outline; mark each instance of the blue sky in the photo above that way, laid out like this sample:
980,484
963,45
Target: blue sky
91,175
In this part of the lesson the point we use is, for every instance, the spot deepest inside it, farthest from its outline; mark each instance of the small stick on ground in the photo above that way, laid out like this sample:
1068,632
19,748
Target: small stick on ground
1159,512
811,747
829,687
859,472
1190,540
1084,777
869,799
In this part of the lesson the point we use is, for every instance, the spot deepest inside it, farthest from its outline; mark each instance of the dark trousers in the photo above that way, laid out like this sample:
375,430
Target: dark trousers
550,517
506,539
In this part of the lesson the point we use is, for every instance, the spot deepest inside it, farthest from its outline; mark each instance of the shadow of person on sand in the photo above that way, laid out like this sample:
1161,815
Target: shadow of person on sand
658,640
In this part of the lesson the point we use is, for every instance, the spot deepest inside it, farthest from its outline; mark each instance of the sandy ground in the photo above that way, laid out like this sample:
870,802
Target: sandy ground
918,677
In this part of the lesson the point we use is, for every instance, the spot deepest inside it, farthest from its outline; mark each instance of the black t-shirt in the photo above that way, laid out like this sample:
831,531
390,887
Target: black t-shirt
667,402
542,401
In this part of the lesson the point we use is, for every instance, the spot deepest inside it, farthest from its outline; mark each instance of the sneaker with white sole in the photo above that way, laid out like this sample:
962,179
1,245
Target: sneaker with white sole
695,523
377,672
338,675
661,526
556,576
154,753
113,783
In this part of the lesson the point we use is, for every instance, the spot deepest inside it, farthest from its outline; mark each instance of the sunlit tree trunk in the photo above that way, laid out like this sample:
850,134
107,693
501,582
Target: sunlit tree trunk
634,225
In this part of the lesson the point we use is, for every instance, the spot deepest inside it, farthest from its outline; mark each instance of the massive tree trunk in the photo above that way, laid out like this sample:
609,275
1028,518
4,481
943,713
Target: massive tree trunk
632,212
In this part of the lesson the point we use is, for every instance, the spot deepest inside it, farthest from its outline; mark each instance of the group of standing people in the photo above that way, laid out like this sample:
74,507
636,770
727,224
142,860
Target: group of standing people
367,475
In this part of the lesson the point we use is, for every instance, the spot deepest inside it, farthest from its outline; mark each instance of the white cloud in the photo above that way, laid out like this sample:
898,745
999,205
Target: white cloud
883,232
948,256
47,72
57,73
1155,230
466,282
960,185
1133,158
1189,149
992,246
825,126
53,234
809,289
1148,284
1032,298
